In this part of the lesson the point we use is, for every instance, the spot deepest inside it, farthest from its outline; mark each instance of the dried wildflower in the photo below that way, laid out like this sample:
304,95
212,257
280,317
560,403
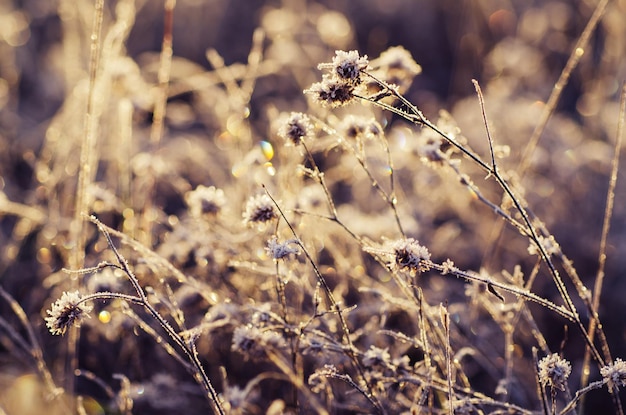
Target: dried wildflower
259,208
332,91
67,311
409,254
295,128
397,57
396,66
614,374
359,127
205,201
554,371
347,66
375,356
550,245
281,250
253,342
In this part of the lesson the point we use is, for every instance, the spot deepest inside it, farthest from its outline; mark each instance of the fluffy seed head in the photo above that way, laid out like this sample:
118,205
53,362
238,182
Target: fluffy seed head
205,201
554,371
347,66
259,209
332,91
410,255
67,311
614,374
296,128
357,127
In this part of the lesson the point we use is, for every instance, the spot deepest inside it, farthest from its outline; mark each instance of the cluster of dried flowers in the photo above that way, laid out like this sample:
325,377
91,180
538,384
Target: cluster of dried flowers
312,334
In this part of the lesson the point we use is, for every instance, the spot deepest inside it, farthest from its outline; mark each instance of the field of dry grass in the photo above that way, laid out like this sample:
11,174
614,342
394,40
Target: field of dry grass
312,207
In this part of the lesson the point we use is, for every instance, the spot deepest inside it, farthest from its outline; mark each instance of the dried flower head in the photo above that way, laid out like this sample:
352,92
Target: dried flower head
614,374
550,245
396,66
67,311
259,208
554,371
347,66
410,255
359,127
205,201
332,91
281,250
295,128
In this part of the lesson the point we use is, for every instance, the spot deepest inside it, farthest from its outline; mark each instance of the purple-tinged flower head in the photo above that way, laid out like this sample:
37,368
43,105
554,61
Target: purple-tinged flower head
614,374
554,371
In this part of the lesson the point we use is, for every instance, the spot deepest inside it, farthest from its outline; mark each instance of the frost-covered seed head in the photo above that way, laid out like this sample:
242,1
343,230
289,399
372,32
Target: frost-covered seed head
259,208
409,254
355,127
554,371
295,128
347,66
281,250
332,91
69,310
614,374
205,201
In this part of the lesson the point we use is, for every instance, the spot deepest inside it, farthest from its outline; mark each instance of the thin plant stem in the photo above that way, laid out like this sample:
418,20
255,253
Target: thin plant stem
142,299
334,306
573,60
594,323
86,173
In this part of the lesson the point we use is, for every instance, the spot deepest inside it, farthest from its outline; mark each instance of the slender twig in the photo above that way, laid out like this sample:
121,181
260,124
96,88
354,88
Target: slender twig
334,306
577,53
594,322
143,300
